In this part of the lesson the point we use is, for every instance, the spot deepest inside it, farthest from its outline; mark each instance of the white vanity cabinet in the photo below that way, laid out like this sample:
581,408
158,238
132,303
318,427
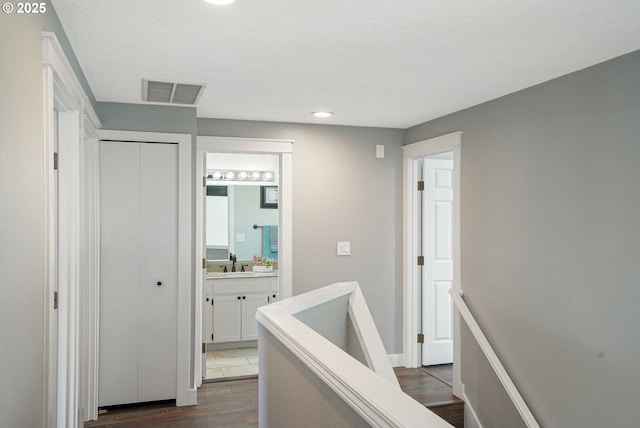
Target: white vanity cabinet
233,306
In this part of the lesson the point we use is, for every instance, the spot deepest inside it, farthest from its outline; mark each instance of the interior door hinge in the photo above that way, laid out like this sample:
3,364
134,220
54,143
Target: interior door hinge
204,263
420,185
204,181
420,260
55,160
55,300
212,336
204,348
420,338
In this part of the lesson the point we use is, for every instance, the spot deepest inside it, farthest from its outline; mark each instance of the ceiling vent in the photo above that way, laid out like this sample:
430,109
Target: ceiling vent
154,91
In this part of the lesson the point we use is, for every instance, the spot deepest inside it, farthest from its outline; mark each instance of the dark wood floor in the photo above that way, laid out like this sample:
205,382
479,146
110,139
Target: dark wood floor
432,387
234,404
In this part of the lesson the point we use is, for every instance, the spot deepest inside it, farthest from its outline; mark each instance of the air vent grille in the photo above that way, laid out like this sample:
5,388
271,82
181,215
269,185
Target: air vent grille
171,92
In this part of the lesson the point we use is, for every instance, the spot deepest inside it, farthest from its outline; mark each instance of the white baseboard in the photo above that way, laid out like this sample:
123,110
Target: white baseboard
470,417
396,360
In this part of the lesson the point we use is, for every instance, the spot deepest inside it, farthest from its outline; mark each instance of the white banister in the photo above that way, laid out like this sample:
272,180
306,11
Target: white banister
493,359
368,387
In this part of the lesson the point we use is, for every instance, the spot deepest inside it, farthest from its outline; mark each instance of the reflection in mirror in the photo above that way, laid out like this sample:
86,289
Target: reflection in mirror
217,223
232,212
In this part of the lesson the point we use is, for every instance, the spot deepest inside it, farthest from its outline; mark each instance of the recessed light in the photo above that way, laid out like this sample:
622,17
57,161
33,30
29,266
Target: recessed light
220,2
322,114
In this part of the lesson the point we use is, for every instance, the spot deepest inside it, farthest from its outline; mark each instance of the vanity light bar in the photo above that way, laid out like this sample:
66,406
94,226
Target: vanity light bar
239,175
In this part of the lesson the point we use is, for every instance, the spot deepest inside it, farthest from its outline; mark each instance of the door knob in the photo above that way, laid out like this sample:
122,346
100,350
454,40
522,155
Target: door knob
159,283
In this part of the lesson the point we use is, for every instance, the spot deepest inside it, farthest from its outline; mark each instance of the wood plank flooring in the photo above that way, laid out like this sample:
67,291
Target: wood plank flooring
432,387
234,404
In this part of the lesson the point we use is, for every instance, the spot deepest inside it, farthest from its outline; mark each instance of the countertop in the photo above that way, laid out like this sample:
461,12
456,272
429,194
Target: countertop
230,275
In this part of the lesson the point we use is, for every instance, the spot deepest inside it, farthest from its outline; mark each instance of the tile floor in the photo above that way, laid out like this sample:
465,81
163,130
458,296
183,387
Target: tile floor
233,362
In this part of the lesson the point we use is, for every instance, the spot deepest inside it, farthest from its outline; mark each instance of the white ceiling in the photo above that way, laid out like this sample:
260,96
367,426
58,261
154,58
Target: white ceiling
384,63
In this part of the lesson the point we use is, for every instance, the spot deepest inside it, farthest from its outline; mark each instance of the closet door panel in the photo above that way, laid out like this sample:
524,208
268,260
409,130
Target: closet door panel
119,273
158,271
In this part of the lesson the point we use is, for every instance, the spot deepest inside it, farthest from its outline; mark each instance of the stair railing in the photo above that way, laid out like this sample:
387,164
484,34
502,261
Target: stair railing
367,386
493,359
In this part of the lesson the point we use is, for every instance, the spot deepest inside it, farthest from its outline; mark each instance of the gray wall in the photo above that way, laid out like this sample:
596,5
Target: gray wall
551,242
330,320
22,214
246,213
147,118
342,192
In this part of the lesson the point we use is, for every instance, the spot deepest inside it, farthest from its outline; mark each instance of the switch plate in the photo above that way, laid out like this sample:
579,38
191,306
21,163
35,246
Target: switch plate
240,237
344,248
379,151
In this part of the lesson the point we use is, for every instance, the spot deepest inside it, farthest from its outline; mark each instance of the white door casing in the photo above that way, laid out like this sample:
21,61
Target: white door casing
187,350
413,155
70,263
437,272
284,150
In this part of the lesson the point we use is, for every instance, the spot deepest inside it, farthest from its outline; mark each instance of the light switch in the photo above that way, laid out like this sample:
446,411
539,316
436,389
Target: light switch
240,237
379,151
344,248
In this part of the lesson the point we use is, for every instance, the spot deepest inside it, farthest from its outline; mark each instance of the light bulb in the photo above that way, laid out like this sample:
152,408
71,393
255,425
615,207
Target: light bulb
322,114
220,2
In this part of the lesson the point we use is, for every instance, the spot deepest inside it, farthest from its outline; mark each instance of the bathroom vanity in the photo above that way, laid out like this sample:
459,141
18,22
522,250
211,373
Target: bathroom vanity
230,303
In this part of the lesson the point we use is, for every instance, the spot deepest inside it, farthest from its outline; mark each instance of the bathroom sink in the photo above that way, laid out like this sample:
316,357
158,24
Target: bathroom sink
221,275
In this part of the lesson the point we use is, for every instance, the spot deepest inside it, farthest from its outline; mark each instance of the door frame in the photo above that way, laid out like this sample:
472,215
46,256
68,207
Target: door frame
284,150
71,264
186,392
412,154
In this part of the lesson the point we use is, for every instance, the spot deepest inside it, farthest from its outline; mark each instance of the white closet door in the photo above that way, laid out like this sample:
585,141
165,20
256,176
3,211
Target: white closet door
139,234
119,273
158,264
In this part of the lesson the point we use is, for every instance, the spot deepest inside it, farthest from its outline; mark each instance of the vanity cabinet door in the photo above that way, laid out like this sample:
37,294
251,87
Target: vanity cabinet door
250,304
227,318
207,312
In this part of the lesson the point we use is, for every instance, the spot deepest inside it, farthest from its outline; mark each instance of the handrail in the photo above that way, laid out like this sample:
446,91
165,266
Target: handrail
368,391
497,366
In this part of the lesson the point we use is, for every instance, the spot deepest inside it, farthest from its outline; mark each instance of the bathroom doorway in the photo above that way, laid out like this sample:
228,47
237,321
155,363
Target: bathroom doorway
251,248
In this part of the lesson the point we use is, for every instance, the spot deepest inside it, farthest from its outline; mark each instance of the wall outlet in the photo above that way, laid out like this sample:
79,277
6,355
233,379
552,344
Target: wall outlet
344,248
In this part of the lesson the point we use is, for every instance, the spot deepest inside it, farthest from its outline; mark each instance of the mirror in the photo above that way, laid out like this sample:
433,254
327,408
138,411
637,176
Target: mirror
232,212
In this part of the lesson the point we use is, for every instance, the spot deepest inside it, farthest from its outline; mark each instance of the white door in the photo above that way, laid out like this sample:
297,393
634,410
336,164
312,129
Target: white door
250,305
138,278
227,318
158,258
437,272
